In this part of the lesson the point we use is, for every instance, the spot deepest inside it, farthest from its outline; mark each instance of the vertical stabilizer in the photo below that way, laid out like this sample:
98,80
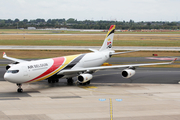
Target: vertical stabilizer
107,45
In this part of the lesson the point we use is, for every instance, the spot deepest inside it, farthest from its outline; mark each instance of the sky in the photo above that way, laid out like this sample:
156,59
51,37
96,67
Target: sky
137,10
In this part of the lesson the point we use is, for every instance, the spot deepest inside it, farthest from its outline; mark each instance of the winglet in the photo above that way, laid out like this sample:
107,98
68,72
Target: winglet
4,54
174,60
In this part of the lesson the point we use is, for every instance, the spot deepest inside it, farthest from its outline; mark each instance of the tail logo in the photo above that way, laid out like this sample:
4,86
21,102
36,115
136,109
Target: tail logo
109,45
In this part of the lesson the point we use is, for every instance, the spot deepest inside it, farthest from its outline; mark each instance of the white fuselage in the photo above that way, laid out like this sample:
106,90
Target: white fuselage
37,70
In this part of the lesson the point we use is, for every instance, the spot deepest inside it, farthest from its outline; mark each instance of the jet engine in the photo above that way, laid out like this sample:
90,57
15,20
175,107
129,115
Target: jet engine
127,73
82,78
9,65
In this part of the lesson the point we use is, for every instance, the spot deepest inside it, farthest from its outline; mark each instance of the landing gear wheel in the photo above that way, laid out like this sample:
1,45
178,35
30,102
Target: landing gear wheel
57,80
19,90
49,81
82,84
70,81
53,80
88,82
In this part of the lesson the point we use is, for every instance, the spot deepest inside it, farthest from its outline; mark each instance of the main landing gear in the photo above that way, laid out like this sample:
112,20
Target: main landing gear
70,81
53,80
19,90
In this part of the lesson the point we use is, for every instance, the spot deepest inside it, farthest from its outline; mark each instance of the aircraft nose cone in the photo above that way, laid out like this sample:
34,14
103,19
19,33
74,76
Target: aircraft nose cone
6,77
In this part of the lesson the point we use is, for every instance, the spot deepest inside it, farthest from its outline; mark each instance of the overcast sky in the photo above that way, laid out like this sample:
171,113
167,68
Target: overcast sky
137,10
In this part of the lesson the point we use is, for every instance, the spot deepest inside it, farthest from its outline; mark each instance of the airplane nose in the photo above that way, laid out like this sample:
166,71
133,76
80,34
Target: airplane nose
6,77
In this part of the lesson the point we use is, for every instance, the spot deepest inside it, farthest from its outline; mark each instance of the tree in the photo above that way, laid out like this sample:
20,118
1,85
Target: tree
40,20
25,20
16,20
71,20
49,21
148,23
131,21
9,21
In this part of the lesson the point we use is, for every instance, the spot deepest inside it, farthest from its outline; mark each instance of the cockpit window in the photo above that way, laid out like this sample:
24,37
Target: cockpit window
13,71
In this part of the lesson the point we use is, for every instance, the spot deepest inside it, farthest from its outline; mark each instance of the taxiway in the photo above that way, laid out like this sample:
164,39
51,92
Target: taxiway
152,93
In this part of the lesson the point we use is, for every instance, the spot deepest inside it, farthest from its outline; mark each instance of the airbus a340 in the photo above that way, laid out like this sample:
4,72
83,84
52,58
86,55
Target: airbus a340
81,65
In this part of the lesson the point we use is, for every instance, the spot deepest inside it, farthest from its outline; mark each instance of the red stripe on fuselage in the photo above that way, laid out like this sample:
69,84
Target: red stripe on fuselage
57,63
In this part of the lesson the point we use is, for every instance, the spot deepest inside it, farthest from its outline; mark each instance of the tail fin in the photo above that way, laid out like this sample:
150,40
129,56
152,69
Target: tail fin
107,45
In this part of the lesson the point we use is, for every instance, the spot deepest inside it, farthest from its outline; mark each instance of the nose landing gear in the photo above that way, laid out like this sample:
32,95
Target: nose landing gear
19,90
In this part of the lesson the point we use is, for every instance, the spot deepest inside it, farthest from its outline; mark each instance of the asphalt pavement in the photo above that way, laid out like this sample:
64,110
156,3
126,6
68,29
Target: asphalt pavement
152,93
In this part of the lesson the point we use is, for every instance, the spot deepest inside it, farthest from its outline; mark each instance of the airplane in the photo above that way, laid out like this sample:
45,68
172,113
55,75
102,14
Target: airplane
81,65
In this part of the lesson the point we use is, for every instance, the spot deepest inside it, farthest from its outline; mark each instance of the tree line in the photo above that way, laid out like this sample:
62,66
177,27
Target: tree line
86,24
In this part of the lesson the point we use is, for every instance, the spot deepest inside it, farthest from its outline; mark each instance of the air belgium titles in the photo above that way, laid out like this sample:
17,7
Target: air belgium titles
37,66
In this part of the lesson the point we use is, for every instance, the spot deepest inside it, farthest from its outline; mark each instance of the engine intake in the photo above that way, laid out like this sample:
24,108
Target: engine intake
82,78
127,73
7,67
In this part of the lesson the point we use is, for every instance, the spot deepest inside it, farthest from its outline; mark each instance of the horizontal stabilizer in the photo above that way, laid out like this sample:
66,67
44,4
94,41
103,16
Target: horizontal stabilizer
93,50
113,53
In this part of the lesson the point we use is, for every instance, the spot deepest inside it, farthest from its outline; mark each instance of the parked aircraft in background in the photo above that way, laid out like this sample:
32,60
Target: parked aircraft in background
81,65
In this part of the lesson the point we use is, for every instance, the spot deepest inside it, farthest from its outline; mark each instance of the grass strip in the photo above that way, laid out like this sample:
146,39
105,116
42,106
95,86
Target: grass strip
169,43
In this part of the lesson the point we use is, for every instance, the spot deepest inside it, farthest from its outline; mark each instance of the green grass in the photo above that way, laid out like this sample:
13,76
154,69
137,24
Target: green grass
91,42
177,32
52,42
146,43
17,31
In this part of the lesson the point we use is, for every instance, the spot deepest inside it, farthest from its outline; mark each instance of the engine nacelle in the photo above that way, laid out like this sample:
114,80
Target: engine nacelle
127,73
82,78
9,65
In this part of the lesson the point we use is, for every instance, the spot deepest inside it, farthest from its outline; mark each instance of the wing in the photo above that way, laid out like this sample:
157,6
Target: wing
155,58
71,71
12,59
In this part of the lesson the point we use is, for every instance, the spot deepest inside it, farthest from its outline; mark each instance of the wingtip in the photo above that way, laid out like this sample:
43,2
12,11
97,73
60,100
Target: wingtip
4,54
174,60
